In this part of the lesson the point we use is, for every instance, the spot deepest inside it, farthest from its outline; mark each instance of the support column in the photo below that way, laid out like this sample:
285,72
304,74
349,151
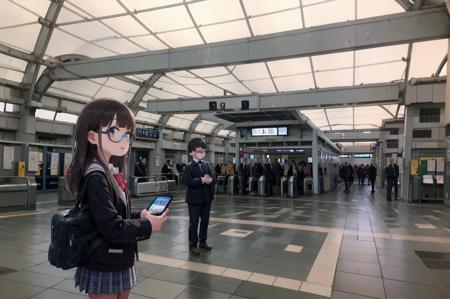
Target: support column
211,157
226,145
315,166
407,147
447,125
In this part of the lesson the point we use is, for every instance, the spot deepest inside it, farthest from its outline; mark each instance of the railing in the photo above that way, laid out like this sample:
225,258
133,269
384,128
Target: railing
17,193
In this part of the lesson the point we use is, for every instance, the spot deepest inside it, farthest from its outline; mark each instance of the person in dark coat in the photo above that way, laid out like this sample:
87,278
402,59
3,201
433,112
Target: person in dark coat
347,174
200,181
167,170
392,173
372,175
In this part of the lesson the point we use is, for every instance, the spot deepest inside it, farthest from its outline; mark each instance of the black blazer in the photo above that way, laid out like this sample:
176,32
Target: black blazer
198,193
120,233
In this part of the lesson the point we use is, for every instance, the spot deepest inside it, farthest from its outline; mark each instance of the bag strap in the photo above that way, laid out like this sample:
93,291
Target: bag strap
82,192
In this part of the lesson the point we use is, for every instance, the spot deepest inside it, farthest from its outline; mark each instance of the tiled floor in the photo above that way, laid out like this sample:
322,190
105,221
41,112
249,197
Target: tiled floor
337,245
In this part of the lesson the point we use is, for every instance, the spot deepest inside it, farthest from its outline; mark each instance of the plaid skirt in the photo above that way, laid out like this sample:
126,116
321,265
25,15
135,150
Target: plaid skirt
97,282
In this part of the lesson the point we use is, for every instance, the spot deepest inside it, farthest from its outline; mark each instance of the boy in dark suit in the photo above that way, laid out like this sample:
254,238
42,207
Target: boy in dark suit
199,196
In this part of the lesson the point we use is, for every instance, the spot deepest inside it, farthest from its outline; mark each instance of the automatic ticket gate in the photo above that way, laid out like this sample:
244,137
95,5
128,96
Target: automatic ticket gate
242,185
233,185
220,184
284,186
308,185
262,186
292,187
252,183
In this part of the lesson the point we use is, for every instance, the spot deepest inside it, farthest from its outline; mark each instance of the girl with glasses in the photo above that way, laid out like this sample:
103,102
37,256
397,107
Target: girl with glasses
103,134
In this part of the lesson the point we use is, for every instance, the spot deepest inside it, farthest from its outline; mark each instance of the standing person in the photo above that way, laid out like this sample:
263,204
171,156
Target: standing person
392,172
199,196
347,174
372,175
104,130
359,173
167,170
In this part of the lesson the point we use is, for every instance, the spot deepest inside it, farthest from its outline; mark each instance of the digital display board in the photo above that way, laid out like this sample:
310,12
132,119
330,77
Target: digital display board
274,131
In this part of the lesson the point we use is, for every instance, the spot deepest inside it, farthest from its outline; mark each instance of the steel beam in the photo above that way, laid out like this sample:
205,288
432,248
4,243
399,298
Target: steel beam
6,50
346,136
142,91
373,32
405,4
374,94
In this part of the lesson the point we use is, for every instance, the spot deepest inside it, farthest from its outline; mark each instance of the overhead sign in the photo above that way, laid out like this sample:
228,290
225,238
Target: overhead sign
147,133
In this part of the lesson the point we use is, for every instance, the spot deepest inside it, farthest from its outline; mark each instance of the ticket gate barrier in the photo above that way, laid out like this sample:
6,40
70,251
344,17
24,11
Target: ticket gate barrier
262,186
293,187
220,184
233,185
252,185
284,186
242,185
308,185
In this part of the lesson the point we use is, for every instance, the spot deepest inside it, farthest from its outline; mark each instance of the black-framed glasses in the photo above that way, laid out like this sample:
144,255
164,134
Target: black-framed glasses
115,136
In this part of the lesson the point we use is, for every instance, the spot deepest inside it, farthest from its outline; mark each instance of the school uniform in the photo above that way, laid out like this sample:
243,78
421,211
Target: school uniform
199,197
110,268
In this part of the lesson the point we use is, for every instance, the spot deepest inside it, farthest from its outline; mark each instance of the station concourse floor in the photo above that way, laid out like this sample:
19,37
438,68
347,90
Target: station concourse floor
338,245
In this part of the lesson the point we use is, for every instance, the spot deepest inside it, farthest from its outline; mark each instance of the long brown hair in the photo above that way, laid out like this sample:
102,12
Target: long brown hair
95,115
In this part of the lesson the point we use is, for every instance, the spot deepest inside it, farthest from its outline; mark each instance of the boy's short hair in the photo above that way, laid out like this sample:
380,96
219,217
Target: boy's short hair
196,143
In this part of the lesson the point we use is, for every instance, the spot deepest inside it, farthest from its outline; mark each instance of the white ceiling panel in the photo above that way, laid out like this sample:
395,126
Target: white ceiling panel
184,38
370,8
120,45
423,64
148,117
236,88
382,54
209,73
327,12
365,126
66,117
67,15
144,4
12,62
176,89
63,43
213,11
341,127
293,66
127,26
223,32
371,115
333,61
340,116
119,95
12,14
289,20
166,19
10,75
161,94
91,31
24,37
122,85
39,7
261,86
257,7
224,79
149,42
251,71
298,82
334,78
182,77
206,90
97,8
78,96
380,73
85,87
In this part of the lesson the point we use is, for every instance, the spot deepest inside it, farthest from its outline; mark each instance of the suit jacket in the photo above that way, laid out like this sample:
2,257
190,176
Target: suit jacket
197,192
392,172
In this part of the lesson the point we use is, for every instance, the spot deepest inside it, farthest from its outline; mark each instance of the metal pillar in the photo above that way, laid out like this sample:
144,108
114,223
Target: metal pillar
447,125
315,159
407,147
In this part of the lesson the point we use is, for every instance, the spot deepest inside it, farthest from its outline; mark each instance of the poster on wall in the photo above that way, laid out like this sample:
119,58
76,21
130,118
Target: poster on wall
54,163
184,159
156,160
8,157
33,161
67,161
440,164
431,165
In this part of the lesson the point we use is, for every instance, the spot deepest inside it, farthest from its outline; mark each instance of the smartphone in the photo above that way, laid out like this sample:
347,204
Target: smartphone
159,204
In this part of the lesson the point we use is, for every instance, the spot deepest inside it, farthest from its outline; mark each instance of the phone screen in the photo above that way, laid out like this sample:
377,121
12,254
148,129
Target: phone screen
160,203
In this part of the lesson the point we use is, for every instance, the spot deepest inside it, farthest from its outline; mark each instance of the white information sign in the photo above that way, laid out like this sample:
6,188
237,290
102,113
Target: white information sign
8,157
33,161
54,163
